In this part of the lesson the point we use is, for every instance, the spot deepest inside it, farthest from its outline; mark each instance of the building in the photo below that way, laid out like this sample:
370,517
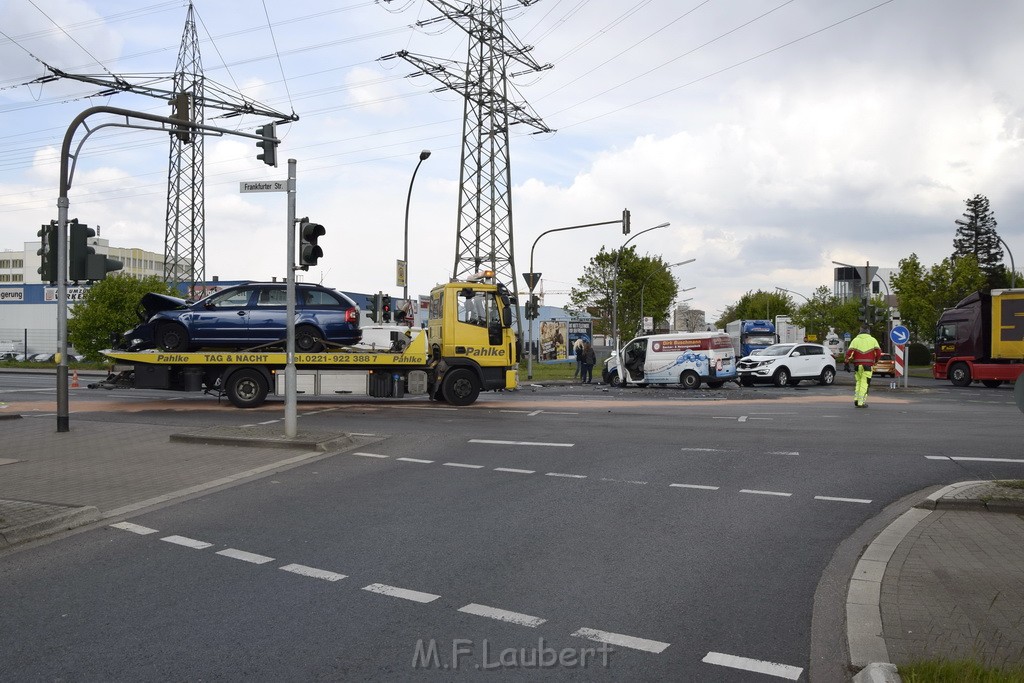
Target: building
686,319
24,265
848,284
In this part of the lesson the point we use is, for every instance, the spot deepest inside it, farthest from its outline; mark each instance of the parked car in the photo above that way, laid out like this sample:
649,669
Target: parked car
788,364
42,357
885,367
245,315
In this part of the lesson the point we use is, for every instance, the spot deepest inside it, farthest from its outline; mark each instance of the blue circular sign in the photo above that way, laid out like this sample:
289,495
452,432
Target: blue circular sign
899,335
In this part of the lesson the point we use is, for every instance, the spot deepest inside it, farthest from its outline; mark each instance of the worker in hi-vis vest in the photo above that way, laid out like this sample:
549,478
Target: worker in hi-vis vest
863,352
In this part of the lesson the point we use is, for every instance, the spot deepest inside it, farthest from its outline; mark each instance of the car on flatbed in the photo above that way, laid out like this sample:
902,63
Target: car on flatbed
245,315
787,364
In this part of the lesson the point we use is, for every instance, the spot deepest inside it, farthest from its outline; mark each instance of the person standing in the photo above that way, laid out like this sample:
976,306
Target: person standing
577,352
863,352
589,360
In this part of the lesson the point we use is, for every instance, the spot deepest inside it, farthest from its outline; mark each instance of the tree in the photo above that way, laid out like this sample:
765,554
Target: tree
824,310
976,236
924,292
109,307
759,305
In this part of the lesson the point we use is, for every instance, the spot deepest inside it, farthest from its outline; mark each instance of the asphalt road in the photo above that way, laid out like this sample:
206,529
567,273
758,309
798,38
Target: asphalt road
690,529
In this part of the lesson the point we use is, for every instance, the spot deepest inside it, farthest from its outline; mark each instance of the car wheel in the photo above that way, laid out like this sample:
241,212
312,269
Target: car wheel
746,382
992,383
172,337
689,380
460,387
828,376
960,375
308,339
717,384
781,377
246,388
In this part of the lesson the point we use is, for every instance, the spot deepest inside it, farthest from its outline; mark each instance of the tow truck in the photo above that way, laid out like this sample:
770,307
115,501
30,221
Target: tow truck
468,346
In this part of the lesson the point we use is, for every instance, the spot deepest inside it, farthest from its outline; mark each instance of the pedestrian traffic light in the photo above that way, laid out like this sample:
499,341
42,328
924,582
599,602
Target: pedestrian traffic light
309,251
48,252
385,308
268,144
625,221
79,250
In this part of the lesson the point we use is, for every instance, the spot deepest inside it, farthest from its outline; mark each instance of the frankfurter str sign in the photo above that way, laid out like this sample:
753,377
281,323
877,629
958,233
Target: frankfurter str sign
263,186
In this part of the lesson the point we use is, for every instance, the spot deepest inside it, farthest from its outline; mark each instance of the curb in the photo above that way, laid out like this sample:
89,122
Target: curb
61,518
255,437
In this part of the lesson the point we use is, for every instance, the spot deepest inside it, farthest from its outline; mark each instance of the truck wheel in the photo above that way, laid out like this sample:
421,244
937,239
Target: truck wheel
689,380
460,387
246,388
992,383
172,337
781,377
308,339
960,375
828,376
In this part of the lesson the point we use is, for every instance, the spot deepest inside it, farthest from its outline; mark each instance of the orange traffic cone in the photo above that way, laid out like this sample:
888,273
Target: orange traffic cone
74,379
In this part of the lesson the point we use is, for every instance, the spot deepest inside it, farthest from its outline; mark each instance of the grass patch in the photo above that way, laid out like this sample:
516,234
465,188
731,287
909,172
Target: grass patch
550,371
1011,483
959,672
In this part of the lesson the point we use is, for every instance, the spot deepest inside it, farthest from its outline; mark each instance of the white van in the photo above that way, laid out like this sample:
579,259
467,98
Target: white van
685,358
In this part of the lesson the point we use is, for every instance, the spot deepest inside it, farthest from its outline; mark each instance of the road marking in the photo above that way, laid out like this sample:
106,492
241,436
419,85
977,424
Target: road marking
423,462
462,464
743,418
765,493
703,450
514,411
403,593
843,500
187,542
621,640
244,556
268,422
513,470
783,453
502,615
312,572
522,443
957,457
371,455
536,412
566,476
134,528
694,486
756,665
426,408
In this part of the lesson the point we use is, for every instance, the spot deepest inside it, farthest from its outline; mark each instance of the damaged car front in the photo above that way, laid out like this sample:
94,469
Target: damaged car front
143,335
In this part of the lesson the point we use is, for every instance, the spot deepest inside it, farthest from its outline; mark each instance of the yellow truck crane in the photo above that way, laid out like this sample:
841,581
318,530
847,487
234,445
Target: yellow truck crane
468,346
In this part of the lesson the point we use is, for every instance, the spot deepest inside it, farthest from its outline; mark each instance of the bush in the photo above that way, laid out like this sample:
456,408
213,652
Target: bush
109,307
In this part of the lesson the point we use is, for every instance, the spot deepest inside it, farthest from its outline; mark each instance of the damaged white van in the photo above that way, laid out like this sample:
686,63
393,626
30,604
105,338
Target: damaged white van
685,358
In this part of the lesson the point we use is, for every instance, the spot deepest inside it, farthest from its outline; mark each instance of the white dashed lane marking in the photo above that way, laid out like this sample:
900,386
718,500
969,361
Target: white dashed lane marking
244,556
965,458
522,443
187,542
424,462
694,486
372,455
403,593
565,476
843,500
756,665
766,493
312,572
621,640
134,528
514,470
502,615
464,465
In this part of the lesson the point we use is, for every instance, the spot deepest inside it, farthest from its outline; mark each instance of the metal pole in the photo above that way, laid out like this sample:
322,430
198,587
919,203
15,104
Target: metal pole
290,400
424,155
1013,268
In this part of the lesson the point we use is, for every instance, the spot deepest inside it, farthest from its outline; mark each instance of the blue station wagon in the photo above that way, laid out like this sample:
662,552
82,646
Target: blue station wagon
243,316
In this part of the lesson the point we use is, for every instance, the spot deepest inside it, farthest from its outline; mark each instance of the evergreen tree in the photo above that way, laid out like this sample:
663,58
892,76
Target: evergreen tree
976,236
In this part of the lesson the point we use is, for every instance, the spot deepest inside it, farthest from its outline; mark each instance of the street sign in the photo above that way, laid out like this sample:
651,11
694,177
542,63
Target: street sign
846,336
867,274
899,335
263,186
531,280
400,271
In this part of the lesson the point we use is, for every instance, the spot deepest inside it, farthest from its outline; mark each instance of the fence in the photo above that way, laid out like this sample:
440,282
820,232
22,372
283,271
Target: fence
28,340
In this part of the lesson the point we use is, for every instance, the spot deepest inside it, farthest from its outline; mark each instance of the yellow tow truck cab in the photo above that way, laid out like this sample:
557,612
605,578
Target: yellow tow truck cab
468,346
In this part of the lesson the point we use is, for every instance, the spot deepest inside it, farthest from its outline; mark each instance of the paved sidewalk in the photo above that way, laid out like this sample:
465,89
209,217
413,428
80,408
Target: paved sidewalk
945,581
50,481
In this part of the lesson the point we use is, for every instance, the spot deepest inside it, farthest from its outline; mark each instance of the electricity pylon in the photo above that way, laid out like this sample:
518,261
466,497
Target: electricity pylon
484,237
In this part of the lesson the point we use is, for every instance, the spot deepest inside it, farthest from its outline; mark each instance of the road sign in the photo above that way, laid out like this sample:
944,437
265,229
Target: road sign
400,271
531,280
898,361
263,186
899,335
846,336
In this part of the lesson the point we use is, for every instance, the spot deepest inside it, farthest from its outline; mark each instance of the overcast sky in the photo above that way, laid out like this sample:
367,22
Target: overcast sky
776,136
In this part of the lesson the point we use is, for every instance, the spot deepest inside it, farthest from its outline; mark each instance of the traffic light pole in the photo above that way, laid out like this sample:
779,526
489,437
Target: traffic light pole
290,399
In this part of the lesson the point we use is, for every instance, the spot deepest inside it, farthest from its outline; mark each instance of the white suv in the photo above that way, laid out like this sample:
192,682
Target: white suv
785,364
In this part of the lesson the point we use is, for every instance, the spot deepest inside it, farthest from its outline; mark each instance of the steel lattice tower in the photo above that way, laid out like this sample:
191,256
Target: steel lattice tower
484,237
185,234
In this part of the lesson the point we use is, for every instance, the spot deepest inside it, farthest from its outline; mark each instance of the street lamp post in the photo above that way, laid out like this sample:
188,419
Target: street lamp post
615,294
647,279
790,291
424,155
1013,268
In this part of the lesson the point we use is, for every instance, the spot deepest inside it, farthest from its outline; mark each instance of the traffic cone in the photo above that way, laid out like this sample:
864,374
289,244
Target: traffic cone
74,379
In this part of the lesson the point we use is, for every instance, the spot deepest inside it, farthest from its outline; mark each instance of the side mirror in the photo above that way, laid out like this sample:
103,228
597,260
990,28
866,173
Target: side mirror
506,317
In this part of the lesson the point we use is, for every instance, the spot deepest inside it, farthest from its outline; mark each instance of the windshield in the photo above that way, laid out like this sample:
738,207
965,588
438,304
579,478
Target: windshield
776,350
759,340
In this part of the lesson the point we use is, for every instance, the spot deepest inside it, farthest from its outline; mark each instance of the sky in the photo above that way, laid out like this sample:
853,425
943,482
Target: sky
775,136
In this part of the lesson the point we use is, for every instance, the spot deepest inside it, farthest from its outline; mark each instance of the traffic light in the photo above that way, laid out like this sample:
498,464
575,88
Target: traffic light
309,251
385,308
625,221
865,311
48,252
79,250
183,113
375,307
533,307
269,147
97,266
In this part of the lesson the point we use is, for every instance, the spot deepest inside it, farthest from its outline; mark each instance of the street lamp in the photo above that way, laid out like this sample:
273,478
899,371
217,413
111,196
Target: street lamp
615,293
790,291
646,279
1013,268
424,155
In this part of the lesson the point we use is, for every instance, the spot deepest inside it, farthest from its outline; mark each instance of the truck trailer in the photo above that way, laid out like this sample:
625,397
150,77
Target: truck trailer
981,339
468,346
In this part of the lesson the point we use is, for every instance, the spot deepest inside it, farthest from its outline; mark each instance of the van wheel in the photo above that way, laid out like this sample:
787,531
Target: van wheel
960,375
781,377
689,380
613,380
